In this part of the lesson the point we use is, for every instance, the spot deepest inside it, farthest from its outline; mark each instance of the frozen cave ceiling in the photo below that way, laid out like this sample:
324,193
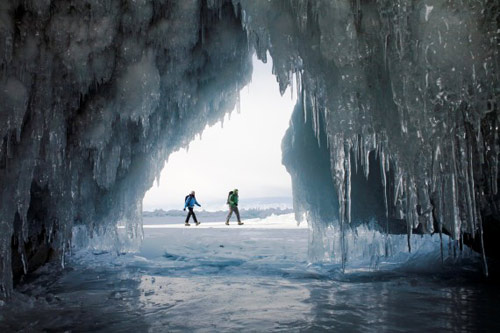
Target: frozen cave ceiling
397,116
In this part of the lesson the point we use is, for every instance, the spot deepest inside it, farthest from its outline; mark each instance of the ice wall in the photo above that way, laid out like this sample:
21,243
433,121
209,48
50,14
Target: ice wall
306,156
414,82
94,96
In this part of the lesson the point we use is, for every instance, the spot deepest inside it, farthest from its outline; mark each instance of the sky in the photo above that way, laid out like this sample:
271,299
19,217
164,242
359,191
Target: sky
244,153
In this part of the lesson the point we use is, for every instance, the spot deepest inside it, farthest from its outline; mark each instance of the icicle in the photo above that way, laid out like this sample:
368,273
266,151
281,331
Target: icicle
338,162
367,163
355,147
348,182
483,252
399,184
298,79
314,113
494,167
63,250
384,178
238,103
456,210
384,185
386,45
361,153
304,105
25,265
318,129
469,182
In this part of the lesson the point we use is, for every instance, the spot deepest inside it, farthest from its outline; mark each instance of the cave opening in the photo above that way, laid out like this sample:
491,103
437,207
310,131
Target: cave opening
97,94
241,151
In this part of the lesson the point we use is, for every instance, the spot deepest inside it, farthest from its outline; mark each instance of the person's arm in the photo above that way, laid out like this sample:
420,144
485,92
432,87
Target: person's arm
197,203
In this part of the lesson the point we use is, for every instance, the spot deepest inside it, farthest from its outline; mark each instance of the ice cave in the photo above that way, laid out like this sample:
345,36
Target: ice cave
395,133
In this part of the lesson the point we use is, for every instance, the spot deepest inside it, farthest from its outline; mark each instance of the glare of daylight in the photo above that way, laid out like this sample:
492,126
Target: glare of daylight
245,153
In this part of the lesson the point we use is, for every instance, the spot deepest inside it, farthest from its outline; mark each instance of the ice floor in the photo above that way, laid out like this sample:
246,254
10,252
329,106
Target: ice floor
229,279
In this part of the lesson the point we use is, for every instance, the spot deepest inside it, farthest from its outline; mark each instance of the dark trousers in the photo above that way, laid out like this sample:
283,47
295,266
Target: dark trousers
236,211
191,213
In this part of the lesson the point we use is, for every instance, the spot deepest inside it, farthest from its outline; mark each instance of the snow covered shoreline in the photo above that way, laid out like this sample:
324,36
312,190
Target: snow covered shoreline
285,221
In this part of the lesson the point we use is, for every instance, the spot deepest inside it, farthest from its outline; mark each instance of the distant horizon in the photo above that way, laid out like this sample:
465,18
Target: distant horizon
278,202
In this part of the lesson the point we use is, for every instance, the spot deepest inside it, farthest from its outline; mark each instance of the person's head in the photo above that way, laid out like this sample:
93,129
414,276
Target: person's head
192,192
235,191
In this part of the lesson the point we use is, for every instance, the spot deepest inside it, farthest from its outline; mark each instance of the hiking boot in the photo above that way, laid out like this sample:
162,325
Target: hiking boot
187,224
227,223
240,223
198,223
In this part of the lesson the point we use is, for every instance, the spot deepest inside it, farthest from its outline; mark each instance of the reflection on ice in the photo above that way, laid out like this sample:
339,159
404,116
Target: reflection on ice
204,303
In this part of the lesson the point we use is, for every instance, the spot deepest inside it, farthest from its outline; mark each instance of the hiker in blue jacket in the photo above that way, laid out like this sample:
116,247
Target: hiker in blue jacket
189,203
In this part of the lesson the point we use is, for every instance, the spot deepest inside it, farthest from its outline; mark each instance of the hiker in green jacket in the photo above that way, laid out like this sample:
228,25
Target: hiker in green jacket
232,201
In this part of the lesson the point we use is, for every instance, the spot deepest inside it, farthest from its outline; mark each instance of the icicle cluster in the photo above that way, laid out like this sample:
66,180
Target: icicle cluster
415,82
94,96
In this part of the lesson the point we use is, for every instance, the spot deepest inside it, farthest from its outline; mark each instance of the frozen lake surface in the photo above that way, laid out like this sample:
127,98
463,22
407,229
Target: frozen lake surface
251,278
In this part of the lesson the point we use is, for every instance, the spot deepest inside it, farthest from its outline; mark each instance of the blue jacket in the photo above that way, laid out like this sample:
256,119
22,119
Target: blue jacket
191,201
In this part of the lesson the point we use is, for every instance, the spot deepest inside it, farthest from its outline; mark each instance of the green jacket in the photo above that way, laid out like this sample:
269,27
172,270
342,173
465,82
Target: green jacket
233,200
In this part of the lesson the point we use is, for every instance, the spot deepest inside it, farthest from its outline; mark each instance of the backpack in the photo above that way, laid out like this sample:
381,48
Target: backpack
229,196
187,196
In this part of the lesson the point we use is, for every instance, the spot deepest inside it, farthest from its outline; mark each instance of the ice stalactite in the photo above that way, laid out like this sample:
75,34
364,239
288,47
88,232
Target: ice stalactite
415,84
94,97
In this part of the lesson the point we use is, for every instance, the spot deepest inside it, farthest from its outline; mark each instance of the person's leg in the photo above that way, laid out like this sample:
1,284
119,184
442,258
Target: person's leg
191,210
229,214
237,212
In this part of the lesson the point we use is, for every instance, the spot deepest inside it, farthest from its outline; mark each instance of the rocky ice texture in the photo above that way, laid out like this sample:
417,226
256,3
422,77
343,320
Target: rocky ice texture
95,95
410,84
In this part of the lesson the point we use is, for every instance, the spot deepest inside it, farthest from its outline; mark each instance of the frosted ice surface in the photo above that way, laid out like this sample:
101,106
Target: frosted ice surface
234,279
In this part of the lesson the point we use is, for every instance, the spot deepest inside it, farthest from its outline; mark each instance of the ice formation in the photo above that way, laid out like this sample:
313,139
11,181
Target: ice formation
412,83
95,94
94,97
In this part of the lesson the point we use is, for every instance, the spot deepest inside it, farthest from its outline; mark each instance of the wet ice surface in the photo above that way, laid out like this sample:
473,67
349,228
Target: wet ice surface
234,278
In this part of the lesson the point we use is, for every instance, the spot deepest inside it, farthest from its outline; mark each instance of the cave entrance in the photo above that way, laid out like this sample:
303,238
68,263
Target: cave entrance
243,151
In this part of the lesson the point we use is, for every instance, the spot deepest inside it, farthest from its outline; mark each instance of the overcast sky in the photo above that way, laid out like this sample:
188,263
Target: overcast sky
244,154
